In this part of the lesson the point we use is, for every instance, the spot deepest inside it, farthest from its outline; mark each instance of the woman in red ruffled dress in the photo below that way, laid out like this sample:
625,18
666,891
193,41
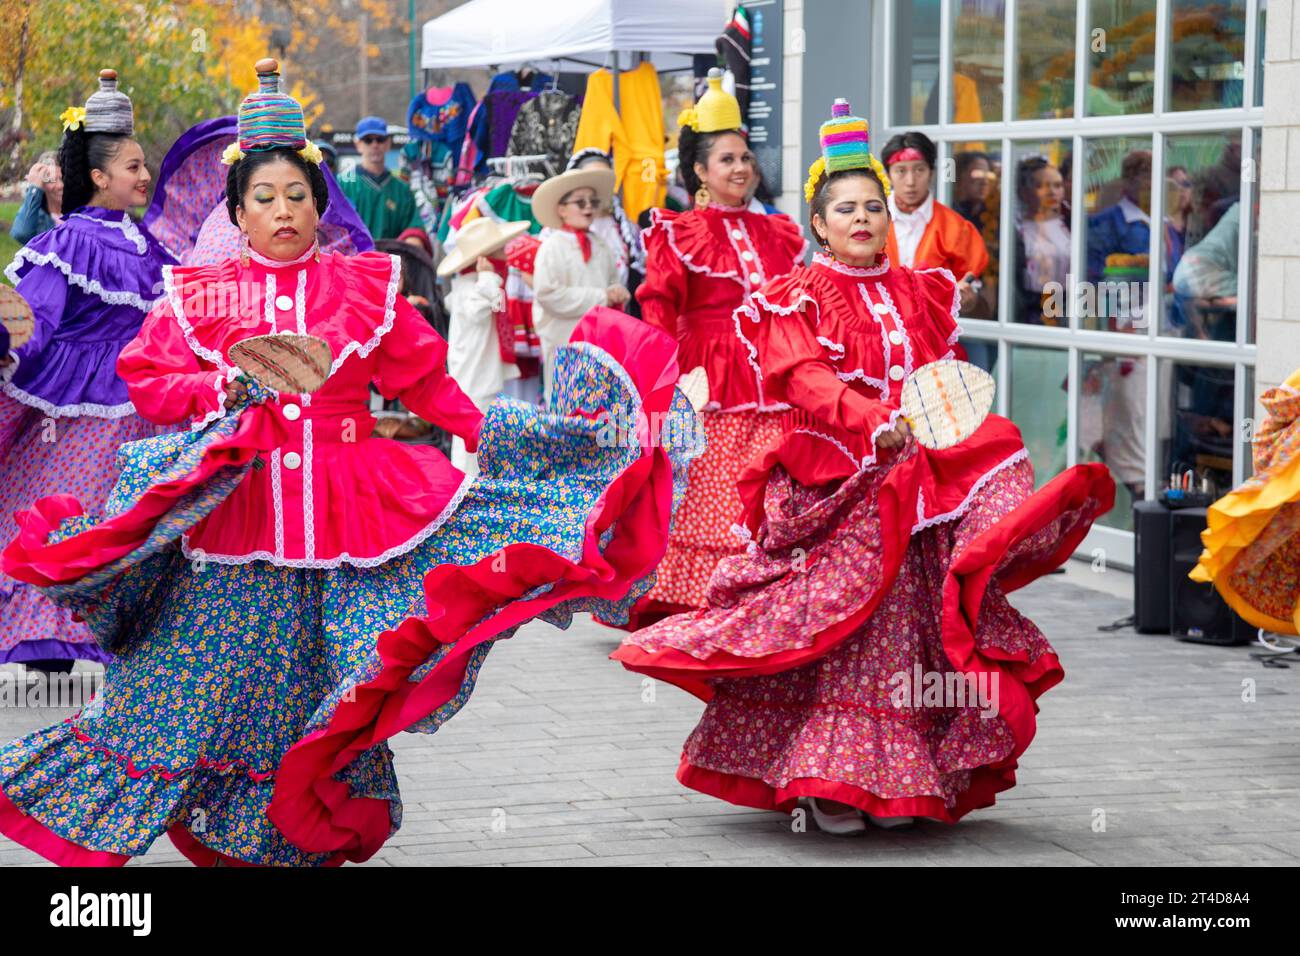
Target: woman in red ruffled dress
700,265
834,653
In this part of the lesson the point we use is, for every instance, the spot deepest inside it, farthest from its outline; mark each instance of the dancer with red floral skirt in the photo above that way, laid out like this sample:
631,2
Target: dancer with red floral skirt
877,569
700,265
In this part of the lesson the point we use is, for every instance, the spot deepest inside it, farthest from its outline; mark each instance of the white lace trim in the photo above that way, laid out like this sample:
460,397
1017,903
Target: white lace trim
277,504
956,300
85,284
716,408
833,441
219,383
923,522
796,306
286,263
902,329
889,425
656,222
390,316
88,409
832,347
861,375
308,514
830,262
396,551
187,330
750,348
758,260
884,338
124,225
268,302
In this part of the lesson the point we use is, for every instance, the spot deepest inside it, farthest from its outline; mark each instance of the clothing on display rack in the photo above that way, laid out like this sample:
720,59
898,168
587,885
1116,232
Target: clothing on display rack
546,124
634,133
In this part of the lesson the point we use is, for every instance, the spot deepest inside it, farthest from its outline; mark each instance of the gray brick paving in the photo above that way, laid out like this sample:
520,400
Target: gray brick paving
562,758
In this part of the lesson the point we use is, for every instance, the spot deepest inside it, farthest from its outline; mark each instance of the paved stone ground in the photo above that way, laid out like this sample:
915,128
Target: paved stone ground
558,759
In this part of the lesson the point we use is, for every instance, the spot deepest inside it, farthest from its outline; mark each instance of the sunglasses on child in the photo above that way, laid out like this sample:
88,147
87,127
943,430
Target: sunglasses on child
583,204
374,139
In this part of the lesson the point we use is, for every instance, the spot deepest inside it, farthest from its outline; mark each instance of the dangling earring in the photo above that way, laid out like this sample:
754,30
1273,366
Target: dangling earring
317,256
243,254
702,196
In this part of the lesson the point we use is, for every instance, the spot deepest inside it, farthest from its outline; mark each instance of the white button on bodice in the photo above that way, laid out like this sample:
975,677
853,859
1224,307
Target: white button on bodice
747,256
881,308
755,277
737,234
292,460
896,337
283,303
292,411
896,372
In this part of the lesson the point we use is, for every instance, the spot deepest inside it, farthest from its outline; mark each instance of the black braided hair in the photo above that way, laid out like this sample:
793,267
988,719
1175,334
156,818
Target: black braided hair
79,153
242,172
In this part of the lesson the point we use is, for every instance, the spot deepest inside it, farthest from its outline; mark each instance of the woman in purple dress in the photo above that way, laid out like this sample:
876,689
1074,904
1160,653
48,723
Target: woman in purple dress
63,409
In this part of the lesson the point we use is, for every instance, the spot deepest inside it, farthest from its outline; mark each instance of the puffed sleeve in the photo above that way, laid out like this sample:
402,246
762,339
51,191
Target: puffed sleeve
662,295
552,284
938,302
782,342
166,381
412,367
46,291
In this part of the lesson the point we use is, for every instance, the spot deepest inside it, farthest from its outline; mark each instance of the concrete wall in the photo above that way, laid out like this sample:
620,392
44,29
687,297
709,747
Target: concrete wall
1278,298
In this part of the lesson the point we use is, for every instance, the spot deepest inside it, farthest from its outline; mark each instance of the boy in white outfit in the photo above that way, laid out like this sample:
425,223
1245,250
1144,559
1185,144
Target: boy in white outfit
477,268
575,271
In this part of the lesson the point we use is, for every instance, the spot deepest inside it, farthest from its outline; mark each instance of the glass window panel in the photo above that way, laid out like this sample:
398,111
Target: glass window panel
916,63
1196,432
1121,57
1206,58
975,193
1041,265
1039,406
1045,59
1247,429
977,61
1112,417
1199,248
1117,234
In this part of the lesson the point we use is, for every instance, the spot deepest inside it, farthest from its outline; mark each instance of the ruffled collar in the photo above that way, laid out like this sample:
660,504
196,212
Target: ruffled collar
831,264
266,263
115,219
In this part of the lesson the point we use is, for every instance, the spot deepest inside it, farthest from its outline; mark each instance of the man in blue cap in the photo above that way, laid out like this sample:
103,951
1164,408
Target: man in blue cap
383,201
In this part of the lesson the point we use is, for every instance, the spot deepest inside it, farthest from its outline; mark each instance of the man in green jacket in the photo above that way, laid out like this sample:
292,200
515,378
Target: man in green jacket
383,201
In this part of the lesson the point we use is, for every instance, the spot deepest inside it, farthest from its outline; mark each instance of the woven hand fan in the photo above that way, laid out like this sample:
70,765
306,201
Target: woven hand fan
286,363
16,316
945,401
695,386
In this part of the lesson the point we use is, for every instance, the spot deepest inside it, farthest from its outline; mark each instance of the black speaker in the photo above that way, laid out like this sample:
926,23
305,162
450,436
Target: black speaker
1151,567
1196,611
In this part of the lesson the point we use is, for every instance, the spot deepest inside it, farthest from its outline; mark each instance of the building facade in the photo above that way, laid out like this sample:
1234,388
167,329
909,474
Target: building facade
1134,168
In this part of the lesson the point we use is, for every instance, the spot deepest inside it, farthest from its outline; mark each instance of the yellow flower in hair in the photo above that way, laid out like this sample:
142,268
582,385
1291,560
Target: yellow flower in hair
814,174
232,154
74,117
311,152
688,117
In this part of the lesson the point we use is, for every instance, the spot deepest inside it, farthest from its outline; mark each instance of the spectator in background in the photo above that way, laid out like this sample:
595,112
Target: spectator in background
384,202
976,200
42,207
1124,230
924,233
1042,239
617,231
1178,208
1205,281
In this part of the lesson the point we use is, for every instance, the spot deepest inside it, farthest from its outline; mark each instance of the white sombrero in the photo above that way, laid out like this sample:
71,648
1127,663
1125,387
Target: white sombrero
479,237
546,200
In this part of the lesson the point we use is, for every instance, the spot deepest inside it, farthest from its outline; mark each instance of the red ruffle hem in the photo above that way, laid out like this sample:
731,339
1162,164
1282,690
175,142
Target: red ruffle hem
465,606
846,585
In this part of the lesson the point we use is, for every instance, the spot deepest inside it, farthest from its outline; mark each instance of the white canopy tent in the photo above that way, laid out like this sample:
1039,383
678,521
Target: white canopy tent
512,32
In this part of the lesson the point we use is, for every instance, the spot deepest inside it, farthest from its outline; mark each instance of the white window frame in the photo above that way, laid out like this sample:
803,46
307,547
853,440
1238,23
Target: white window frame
1158,124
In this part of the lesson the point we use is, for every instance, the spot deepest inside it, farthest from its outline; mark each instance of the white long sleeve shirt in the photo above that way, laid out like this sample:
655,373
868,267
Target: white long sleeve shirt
565,288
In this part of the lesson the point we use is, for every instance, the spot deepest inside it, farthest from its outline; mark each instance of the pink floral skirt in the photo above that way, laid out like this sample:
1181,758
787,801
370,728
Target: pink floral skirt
39,456
846,655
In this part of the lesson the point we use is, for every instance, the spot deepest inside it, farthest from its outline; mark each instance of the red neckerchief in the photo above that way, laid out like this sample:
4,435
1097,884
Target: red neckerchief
584,241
